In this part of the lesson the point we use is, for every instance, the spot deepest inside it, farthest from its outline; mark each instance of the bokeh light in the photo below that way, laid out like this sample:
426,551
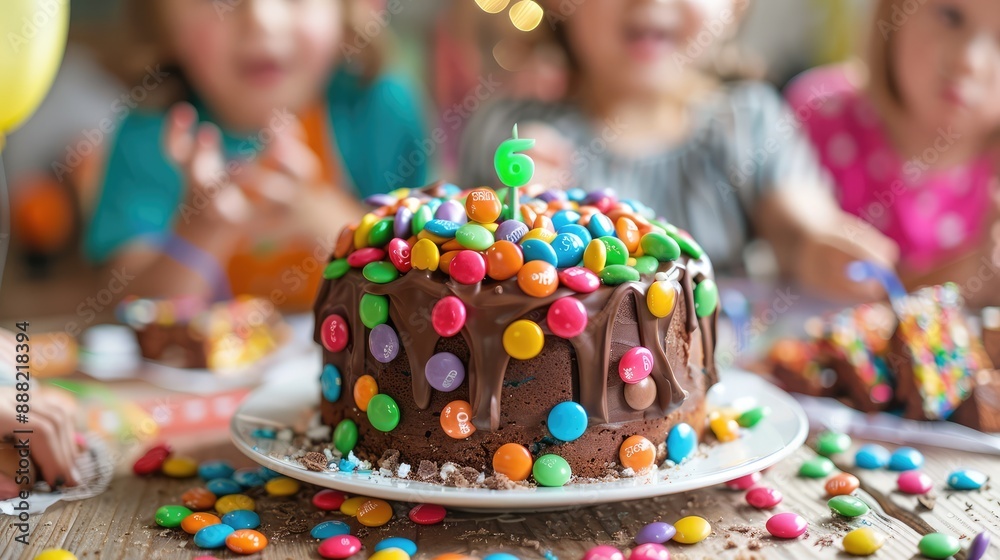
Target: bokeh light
526,15
492,6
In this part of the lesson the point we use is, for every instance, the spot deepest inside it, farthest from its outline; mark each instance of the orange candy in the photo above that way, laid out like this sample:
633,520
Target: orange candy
724,427
246,541
345,242
483,206
364,389
451,556
503,260
198,499
842,484
527,214
543,222
513,460
456,420
637,453
374,513
198,521
451,245
628,232
538,279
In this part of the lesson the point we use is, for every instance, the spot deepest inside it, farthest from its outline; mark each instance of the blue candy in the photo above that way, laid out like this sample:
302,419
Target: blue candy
681,442
406,545
538,250
871,456
501,556
264,433
213,536
211,470
267,474
242,519
329,529
247,478
576,195
601,226
330,383
577,230
432,205
223,487
564,218
346,465
966,479
569,249
442,228
905,459
567,421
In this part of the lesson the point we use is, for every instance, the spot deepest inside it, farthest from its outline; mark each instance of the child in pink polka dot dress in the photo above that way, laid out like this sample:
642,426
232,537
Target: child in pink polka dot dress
910,149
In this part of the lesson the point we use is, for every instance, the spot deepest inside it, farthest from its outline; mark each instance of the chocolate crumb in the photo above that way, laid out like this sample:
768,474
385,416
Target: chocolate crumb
731,545
389,460
314,461
428,470
754,545
500,482
927,501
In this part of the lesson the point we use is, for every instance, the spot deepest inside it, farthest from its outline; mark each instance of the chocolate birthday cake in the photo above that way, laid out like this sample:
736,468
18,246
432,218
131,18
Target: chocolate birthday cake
572,336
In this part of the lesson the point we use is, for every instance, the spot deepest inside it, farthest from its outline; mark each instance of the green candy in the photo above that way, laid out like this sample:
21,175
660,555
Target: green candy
374,310
938,545
848,506
551,470
383,413
345,436
831,443
474,236
667,227
660,246
817,467
617,274
689,246
706,297
380,272
420,218
616,250
336,269
381,232
751,417
647,264
171,516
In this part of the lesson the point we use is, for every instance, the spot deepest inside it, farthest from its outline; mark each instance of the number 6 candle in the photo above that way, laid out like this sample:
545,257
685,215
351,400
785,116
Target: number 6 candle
514,169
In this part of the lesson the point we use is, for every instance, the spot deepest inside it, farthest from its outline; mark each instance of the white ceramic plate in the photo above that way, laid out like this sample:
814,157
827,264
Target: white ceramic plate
774,438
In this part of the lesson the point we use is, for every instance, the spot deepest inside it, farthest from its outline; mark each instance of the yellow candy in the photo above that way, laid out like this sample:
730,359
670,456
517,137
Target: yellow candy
539,233
631,261
595,256
352,505
282,486
400,192
55,554
390,554
660,298
364,228
413,204
425,255
180,467
863,542
437,239
233,502
492,226
692,529
523,339
724,427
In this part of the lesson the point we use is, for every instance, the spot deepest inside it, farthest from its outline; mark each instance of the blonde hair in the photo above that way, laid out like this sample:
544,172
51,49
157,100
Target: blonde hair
878,77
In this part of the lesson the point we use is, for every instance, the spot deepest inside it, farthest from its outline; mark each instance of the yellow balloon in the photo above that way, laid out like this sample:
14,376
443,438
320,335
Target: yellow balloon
32,41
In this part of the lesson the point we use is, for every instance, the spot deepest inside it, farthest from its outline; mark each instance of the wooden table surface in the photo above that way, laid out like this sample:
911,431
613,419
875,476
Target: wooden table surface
119,523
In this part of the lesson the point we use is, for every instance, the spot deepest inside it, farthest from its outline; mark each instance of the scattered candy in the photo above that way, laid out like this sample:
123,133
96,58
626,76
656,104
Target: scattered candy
871,456
339,547
329,500
567,317
246,541
905,459
328,529
831,443
744,482
213,536
938,545
650,551
966,479
752,417
681,442
383,413
641,395
171,516
863,541
977,549
351,506
180,467
692,529
637,453
848,506
523,339
635,365
817,467
406,545
152,461
448,316
390,554
841,484
724,427
234,502
656,532
661,298
211,470
786,525
579,280
374,513
551,470
500,556
603,552
427,514
512,460
763,497
198,499
198,521
567,421
55,554
383,342
345,436
242,519
334,333
444,371
223,487
330,383
914,482
282,486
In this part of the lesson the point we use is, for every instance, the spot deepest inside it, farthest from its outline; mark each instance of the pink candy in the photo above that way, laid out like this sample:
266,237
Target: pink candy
329,500
786,525
650,551
427,514
914,482
744,482
334,333
468,267
448,316
579,279
343,546
603,552
567,317
399,255
763,497
361,257
636,365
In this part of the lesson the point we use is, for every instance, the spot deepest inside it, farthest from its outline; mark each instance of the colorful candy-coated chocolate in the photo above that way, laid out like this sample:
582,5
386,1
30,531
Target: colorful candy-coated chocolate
362,257
352,505
579,279
595,256
223,487
914,482
234,502
830,443
503,260
646,265
567,421
383,342
567,317
706,298
402,225
978,547
406,545
841,484
213,536
374,513
615,251
374,310
282,486
660,246
329,529
848,506
198,521
456,420
442,228
425,255
905,459
381,232
331,383
474,236
692,529
681,442
603,552
637,453
55,554
724,427
211,470
444,371
198,499
661,298
863,541
500,556
763,497
538,279
399,255
390,554
650,551
523,339
482,205
628,232
817,467
641,395
339,547
618,274
451,210
938,545
381,272
752,417
383,413
468,267
365,226
966,479
568,248
171,516
551,470
336,269
786,525
334,333
246,541
329,500
871,456
364,389
513,461
180,467
345,436
539,250
267,474
242,519
427,514
511,230
152,461
656,532
248,478
636,364
744,482
448,316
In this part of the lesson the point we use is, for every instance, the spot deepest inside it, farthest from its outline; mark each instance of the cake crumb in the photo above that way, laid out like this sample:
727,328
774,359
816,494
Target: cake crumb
314,461
389,460
427,470
499,481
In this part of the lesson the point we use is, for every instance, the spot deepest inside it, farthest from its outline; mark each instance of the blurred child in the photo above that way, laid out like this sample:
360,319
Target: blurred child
722,161
241,182
911,143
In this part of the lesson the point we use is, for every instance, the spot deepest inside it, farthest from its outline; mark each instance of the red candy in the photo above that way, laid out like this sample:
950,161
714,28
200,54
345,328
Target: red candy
567,317
579,279
763,497
636,365
152,460
334,333
650,551
361,257
468,267
786,525
744,482
448,316
914,482
603,552
427,514
342,546
399,255
329,500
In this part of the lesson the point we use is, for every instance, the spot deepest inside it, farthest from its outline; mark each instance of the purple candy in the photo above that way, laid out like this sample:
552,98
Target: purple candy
657,532
550,196
380,200
383,343
401,226
445,371
453,211
511,230
600,194
978,547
